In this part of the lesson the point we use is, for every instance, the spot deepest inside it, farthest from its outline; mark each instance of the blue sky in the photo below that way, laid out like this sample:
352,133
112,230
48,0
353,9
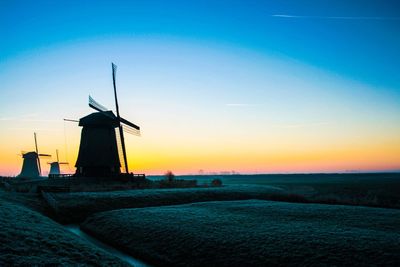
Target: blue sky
363,44
260,86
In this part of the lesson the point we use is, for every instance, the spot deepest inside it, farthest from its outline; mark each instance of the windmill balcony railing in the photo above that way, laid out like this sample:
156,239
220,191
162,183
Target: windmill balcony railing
120,175
61,175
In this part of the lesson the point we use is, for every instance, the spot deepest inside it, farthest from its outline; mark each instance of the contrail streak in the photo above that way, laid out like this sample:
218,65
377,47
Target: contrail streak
333,17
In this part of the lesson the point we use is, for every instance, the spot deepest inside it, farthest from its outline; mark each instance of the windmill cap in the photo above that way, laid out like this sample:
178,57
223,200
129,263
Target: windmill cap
29,155
101,118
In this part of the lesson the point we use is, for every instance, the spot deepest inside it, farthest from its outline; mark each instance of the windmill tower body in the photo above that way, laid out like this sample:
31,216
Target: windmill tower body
30,167
98,150
54,168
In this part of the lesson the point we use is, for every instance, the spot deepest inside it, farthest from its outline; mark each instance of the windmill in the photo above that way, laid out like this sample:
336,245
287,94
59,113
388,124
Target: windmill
55,166
98,150
31,165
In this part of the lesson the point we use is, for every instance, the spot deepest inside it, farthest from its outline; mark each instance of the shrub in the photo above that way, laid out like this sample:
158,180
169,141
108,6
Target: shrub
216,182
169,176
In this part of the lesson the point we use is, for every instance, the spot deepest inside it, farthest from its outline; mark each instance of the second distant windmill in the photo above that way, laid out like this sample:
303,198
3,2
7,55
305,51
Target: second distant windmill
55,166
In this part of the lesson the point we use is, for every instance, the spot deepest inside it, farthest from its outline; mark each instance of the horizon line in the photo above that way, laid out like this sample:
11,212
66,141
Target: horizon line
285,173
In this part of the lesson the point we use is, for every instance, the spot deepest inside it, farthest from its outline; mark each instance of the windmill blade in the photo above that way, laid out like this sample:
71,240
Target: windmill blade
37,152
128,123
44,155
130,130
71,120
95,105
121,132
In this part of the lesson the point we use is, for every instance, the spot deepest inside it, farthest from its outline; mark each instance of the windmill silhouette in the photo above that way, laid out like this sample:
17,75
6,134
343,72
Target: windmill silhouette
31,165
55,166
98,150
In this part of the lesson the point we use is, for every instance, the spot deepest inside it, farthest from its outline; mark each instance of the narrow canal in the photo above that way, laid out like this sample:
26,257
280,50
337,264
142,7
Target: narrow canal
124,257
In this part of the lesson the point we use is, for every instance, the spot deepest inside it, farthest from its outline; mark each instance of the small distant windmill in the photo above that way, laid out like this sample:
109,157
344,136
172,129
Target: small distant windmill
55,166
31,165
98,150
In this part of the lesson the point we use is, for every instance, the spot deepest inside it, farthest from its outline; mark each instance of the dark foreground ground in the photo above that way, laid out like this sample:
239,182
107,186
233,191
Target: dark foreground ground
31,239
254,233
160,226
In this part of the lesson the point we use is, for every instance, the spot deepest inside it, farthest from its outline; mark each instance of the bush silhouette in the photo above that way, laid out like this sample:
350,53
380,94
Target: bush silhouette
169,176
216,182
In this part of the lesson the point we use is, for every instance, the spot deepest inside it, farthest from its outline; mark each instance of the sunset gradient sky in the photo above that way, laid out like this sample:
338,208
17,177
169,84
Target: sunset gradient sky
249,86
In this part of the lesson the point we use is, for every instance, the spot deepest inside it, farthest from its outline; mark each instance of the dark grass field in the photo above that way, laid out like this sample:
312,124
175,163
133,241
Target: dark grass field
369,189
31,239
75,207
374,190
254,233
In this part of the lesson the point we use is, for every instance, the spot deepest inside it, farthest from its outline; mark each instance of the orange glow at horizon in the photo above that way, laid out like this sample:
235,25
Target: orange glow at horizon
294,153
355,160
158,161
182,161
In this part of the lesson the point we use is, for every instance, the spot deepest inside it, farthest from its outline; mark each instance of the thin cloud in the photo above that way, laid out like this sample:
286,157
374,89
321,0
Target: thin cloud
333,17
30,120
239,105
300,125
36,129
6,118
27,119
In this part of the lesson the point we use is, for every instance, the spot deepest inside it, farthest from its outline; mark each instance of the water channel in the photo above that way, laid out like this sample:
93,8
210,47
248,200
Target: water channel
74,228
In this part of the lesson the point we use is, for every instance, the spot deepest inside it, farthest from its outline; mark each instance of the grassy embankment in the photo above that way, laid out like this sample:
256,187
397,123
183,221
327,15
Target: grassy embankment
374,190
31,239
75,207
253,233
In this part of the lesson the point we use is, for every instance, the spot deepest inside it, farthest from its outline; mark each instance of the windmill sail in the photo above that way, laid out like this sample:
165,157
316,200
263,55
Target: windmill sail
37,153
130,130
130,124
120,151
121,132
95,105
